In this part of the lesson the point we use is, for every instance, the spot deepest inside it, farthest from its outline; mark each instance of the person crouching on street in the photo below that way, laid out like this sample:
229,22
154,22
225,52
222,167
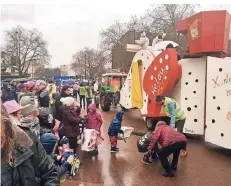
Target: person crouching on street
172,142
94,121
114,129
176,114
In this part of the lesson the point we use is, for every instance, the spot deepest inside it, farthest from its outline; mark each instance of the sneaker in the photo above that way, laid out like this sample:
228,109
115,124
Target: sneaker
167,174
174,167
114,149
146,159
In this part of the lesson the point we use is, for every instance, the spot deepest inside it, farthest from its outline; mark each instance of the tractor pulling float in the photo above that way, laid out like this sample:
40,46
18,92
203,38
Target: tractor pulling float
110,89
200,82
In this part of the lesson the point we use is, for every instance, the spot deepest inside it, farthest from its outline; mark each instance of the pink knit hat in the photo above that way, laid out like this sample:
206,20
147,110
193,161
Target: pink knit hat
12,106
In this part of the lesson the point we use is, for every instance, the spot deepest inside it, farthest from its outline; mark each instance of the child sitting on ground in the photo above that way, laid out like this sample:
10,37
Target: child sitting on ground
93,121
114,129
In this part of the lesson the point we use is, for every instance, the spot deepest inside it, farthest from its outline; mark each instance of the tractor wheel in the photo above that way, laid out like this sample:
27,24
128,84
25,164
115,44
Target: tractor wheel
103,104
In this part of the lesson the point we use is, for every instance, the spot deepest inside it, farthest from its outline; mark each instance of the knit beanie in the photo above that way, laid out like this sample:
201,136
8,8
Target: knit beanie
68,101
28,104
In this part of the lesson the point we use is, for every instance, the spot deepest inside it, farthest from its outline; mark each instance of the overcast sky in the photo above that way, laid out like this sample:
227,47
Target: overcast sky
68,28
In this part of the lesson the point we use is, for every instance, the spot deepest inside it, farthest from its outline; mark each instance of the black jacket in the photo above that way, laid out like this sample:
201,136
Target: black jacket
31,165
8,94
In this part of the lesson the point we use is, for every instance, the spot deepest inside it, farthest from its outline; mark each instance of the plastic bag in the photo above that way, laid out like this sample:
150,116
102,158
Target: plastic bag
143,142
89,140
127,132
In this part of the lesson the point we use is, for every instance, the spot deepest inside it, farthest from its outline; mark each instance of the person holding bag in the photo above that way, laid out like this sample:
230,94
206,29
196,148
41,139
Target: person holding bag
94,121
70,121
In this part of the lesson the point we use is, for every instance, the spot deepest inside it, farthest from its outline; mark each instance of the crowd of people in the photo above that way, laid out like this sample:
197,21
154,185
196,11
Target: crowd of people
40,129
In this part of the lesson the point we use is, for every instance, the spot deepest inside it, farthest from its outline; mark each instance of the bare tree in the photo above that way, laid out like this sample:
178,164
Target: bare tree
90,59
110,37
24,47
158,19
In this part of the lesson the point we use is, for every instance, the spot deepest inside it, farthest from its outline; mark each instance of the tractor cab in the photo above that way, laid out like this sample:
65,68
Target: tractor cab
114,81
110,89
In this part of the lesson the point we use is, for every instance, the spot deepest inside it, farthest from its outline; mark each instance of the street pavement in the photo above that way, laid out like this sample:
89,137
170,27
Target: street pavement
205,165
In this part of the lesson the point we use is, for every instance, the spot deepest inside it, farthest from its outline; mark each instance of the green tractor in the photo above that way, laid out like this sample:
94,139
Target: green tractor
110,90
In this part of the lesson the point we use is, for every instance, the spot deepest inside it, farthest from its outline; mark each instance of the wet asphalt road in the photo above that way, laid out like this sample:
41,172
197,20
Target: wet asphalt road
205,164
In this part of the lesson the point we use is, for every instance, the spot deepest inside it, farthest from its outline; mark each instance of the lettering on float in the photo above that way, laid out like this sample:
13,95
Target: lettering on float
158,81
190,131
220,81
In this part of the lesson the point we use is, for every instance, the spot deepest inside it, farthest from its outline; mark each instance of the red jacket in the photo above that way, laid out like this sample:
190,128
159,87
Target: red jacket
165,135
93,120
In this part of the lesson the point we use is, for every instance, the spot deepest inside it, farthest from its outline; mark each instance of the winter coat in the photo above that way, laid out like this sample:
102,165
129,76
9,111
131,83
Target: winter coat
93,120
31,123
8,94
48,141
115,126
71,121
58,105
31,165
165,135
46,120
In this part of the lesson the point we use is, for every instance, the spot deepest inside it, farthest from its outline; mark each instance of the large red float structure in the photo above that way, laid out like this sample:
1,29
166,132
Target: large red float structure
207,32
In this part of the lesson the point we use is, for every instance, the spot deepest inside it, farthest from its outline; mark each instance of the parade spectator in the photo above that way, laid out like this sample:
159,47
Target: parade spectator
52,90
66,92
70,120
94,121
48,141
8,93
172,142
114,129
75,90
29,115
96,87
43,96
82,94
31,87
88,95
23,160
14,110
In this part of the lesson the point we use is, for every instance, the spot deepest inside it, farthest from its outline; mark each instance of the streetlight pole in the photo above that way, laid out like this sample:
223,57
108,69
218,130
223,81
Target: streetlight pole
32,69
85,65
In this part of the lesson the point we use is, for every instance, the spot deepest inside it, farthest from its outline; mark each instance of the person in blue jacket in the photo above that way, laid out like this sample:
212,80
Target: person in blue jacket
114,129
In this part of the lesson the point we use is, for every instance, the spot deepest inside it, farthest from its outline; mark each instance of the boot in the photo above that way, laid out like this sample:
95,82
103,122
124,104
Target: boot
167,174
114,149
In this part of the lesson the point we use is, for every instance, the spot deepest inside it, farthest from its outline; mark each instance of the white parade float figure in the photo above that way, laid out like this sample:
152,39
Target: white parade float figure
143,42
